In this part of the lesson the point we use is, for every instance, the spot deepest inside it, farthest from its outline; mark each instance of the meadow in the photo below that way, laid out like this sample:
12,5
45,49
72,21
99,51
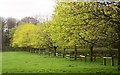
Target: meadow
26,62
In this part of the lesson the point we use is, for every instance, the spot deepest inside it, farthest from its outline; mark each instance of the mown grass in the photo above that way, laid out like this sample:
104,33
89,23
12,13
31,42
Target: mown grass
25,62
0,62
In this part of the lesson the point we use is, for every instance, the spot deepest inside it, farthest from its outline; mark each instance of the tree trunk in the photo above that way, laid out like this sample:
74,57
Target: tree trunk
75,52
55,51
91,53
49,51
30,50
38,50
64,53
1,37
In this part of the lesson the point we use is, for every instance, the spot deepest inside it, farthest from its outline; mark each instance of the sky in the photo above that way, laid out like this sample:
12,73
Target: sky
22,8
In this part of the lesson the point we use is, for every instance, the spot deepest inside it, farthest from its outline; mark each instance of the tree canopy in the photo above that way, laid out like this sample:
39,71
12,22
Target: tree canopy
29,35
74,24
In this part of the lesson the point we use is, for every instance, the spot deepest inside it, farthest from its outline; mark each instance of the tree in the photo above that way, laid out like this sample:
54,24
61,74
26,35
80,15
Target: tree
40,36
28,36
93,30
110,13
11,33
108,17
21,37
1,32
11,22
80,26
2,29
30,20
62,29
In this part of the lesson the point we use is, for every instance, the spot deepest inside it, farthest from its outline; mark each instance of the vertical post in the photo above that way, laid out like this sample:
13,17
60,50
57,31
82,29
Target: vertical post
75,52
64,53
85,58
94,58
104,61
112,61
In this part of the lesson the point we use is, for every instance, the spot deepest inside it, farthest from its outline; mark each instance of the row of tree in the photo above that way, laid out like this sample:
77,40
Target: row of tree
8,23
74,24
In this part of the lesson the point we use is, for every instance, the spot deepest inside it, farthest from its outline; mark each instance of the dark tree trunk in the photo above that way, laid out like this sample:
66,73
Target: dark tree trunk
75,52
91,53
55,51
64,53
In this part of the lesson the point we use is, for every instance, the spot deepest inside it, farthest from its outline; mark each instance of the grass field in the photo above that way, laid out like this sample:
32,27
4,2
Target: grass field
25,62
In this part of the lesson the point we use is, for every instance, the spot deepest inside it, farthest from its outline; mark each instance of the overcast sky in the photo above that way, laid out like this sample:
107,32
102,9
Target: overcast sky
22,8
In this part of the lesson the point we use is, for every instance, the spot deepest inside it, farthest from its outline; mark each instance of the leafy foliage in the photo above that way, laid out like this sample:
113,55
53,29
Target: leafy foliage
29,35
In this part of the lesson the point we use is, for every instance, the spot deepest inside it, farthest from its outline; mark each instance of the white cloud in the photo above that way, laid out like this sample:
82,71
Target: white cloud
22,8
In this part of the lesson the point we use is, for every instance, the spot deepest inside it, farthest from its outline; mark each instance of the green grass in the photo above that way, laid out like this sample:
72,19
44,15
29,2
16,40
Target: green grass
0,62
25,62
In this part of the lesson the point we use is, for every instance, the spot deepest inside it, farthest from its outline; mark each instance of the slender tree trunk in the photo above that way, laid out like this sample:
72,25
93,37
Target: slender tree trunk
34,50
39,50
75,52
30,50
64,53
49,51
91,53
1,37
55,51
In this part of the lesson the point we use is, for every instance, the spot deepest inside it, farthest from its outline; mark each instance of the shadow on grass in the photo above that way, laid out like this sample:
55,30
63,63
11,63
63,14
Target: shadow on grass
61,73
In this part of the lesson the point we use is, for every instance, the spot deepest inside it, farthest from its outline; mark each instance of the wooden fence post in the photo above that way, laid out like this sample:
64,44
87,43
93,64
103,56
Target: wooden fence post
104,61
112,61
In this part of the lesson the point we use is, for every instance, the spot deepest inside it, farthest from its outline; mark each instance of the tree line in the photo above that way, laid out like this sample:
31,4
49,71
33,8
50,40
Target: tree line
73,25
